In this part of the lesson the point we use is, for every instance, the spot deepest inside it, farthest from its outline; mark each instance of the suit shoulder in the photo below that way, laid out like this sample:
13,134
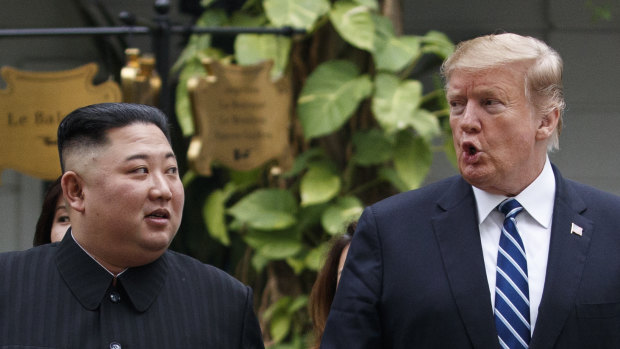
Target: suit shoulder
421,196
592,194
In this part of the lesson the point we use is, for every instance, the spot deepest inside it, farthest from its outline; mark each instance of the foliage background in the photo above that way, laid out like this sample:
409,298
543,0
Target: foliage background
363,128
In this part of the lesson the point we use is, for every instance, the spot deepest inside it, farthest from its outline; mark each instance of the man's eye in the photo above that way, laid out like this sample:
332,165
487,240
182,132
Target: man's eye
172,170
141,170
456,107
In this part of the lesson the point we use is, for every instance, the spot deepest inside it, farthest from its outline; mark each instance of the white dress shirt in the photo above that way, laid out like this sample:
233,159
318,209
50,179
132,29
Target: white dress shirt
534,225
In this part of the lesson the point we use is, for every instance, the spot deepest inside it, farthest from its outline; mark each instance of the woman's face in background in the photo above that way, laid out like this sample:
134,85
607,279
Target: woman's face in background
61,221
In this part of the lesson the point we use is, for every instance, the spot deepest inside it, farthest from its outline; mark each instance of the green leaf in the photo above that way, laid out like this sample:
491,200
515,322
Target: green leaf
344,211
371,147
245,178
437,43
390,175
319,185
393,53
297,304
426,123
214,214
274,245
199,43
188,177
183,105
354,23
295,13
301,161
266,209
315,258
395,102
278,307
371,4
243,19
255,48
259,262
412,159
279,326
330,96
296,264
280,249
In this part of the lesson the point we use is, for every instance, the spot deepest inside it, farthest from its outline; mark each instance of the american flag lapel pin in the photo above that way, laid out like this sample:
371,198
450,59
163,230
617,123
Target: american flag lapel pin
575,229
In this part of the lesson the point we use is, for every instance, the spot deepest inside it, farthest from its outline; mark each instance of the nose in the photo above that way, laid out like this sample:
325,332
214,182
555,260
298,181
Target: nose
160,188
469,121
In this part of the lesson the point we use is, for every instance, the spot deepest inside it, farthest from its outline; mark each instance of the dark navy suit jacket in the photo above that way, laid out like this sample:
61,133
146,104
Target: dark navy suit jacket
415,276
56,296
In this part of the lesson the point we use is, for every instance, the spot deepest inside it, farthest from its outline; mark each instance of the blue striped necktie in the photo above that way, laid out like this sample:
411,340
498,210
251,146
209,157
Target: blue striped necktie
512,295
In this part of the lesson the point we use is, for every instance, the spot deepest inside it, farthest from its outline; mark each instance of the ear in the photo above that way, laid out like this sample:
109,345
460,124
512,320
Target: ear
548,123
72,189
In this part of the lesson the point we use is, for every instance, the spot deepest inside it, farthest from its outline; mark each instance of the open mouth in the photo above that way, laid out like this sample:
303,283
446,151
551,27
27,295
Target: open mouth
160,213
469,149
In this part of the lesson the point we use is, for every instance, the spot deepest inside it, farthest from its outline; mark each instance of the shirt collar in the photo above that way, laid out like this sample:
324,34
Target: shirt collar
89,281
537,199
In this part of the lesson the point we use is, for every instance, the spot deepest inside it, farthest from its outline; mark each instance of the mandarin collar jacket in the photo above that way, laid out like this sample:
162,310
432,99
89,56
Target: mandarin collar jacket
56,296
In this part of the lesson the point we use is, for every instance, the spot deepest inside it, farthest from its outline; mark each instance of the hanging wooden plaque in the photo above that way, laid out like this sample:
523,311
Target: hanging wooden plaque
241,117
31,108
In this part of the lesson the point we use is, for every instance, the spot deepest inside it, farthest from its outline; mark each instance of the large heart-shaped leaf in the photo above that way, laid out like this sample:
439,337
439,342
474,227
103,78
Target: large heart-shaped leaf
426,123
437,43
395,101
330,96
183,105
319,185
254,48
393,53
274,245
295,13
354,23
371,147
412,158
266,209
214,214
344,211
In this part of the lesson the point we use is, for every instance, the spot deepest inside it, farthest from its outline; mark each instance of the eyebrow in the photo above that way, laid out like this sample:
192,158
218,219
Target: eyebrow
145,157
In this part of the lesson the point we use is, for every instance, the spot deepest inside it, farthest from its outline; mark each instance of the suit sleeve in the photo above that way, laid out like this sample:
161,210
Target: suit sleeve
354,319
251,336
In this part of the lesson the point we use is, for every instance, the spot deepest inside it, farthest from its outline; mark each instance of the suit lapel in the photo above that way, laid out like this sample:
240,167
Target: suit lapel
567,256
456,230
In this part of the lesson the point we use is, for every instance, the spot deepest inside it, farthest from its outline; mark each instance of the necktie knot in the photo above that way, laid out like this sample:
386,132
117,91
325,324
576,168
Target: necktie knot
510,207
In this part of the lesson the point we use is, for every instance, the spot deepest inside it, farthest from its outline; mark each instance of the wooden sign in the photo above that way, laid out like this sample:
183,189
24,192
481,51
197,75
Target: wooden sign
31,108
241,117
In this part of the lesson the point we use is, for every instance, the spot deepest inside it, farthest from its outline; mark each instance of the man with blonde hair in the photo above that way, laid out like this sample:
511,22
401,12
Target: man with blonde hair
509,254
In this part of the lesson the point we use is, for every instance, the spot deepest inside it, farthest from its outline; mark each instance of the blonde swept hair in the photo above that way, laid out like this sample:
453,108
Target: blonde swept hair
543,76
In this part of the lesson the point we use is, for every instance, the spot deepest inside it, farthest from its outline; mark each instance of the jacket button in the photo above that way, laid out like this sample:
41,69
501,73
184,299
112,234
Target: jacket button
115,298
115,345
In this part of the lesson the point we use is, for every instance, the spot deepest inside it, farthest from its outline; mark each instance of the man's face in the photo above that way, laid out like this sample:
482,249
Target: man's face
133,197
496,131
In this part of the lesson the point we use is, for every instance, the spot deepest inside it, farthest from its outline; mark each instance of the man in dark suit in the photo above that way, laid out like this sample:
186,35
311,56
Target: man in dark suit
442,267
111,282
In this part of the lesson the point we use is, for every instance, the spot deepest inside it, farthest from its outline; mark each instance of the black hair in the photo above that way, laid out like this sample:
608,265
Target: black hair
42,234
88,126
